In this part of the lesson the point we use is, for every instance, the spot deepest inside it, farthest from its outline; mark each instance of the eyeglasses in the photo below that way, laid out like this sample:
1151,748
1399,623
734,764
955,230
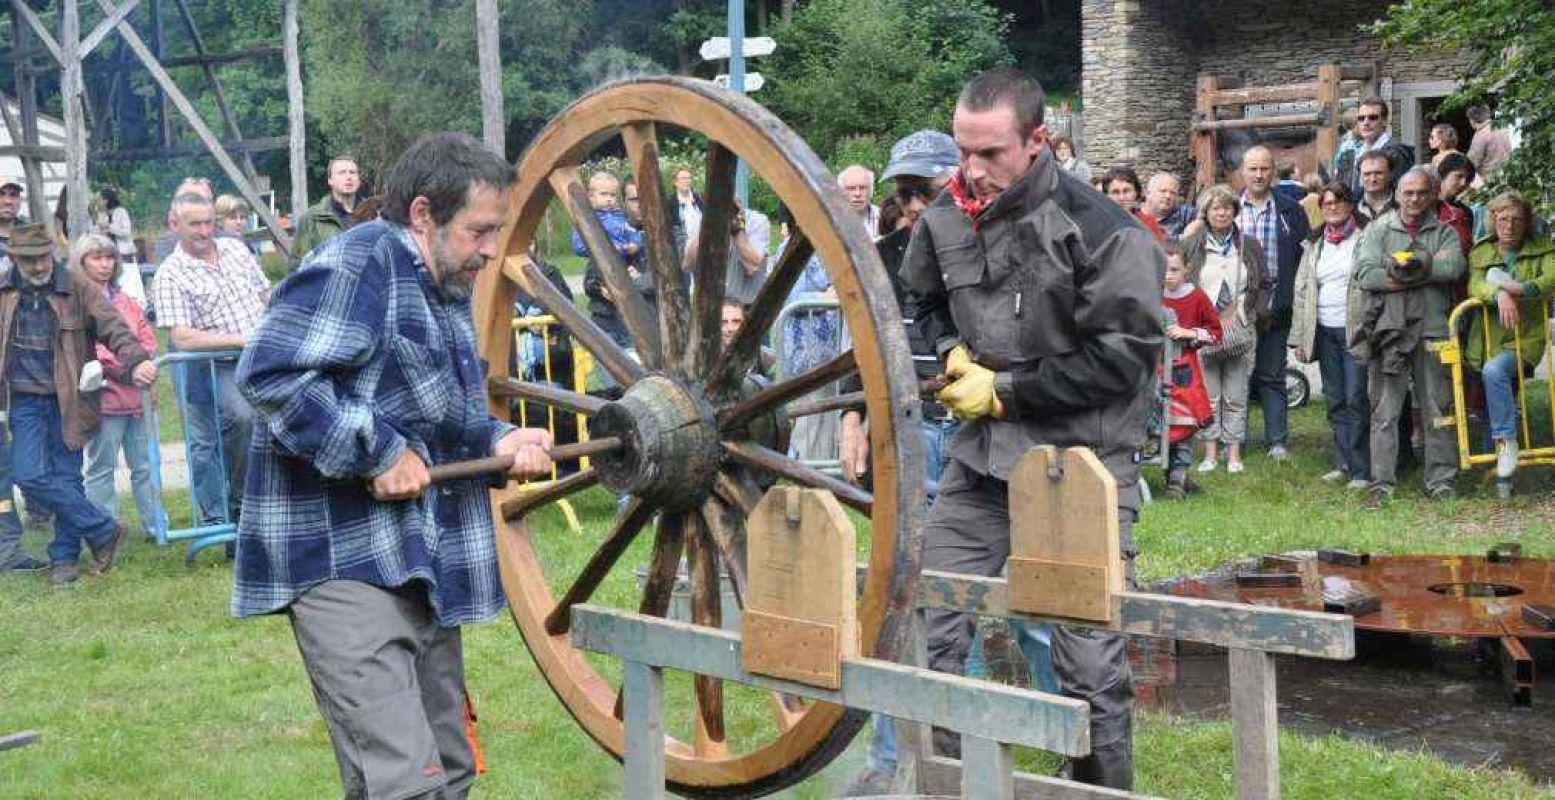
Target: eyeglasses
1333,204
1368,117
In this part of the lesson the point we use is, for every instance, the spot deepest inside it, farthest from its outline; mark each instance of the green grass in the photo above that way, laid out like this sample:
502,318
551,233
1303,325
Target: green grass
143,686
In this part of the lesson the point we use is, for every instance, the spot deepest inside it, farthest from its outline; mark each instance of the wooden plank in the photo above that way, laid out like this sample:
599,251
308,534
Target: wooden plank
216,92
258,145
40,30
203,131
1283,93
105,27
1202,143
938,775
1064,556
263,51
1190,619
73,95
801,616
1280,121
644,701
1328,89
987,769
36,152
296,120
1255,728
489,56
977,708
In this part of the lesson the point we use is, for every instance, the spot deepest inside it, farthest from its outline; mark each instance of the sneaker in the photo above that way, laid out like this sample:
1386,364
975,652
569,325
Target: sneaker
1208,465
26,563
869,783
64,573
1234,467
1506,457
1442,493
1356,484
1333,476
1279,453
104,555
1379,497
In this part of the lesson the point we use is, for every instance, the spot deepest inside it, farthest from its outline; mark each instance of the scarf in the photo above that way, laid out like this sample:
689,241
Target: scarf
1338,235
1221,245
969,204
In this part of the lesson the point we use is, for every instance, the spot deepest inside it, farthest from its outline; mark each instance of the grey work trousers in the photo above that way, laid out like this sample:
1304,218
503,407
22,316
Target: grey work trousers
390,684
1433,399
969,532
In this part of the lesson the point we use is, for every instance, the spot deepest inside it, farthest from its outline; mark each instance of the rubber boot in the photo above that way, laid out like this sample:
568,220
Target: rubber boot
1110,765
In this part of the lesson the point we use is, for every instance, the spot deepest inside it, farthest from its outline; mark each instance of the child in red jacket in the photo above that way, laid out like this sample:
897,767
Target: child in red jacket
1191,323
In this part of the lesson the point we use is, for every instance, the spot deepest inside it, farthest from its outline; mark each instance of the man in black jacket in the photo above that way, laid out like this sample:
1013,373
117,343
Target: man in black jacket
1044,299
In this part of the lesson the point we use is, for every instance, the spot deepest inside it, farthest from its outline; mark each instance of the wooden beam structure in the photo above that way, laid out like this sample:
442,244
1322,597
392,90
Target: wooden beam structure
210,76
261,145
493,122
295,121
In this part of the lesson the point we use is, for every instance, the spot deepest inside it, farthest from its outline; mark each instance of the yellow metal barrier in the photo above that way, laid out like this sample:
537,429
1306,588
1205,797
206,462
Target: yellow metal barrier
1453,353
582,365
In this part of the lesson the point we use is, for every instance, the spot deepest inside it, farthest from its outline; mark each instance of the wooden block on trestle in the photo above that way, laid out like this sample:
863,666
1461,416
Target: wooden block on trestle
800,619
1064,554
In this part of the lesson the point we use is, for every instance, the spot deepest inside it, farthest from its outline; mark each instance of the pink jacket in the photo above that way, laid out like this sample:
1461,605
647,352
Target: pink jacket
120,397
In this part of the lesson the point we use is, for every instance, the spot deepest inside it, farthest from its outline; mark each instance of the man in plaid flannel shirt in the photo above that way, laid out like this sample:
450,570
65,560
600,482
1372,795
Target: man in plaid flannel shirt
364,371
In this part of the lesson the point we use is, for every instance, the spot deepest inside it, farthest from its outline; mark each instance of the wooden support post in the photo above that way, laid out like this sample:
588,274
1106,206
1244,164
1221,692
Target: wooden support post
1203,141
105,27
1255,728
987,769
79,219
27,106
216,92
643,698
158,41
296,122
1328,81
234,174
489,54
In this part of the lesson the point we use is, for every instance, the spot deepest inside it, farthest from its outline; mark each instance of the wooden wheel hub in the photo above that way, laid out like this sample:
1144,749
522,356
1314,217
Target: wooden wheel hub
671,452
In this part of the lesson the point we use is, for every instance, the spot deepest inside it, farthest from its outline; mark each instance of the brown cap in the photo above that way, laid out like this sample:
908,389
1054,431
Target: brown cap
31,239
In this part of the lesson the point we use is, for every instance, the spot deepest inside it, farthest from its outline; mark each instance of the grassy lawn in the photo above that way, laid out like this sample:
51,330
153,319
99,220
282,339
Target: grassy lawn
143,686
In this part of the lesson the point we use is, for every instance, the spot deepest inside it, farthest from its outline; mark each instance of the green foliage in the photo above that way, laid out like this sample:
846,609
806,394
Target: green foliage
878,69
1513,42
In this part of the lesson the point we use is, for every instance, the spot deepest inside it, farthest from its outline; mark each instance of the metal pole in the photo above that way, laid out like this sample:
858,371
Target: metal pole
737,83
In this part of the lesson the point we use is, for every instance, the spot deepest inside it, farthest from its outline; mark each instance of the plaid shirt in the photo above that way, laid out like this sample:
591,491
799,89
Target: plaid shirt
1264,226
358,358
225,297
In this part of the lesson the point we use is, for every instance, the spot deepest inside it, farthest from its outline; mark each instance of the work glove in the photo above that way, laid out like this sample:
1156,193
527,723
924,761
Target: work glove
970,394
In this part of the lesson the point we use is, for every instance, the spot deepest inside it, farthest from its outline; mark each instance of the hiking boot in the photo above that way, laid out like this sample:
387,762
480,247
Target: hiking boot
26,563
105,554
1379,497
1506,457
64,573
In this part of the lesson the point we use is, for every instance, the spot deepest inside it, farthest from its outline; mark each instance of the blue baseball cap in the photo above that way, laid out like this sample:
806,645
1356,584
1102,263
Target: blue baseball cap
922,154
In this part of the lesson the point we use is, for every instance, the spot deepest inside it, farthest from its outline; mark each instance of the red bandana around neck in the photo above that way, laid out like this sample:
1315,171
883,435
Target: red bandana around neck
1338,235
961,193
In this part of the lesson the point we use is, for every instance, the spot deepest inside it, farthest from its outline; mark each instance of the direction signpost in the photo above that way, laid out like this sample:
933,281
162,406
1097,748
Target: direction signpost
736,48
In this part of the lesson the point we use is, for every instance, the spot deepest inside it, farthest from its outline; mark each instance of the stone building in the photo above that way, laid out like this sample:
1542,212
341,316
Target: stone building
1140,60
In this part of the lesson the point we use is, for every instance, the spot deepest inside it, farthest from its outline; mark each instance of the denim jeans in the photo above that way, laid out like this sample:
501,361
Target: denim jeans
1349,410
50,473
126,433
1035,640
216,476
1268,384
1500,374
10,523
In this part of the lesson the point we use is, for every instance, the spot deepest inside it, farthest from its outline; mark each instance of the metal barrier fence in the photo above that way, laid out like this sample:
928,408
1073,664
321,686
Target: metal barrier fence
811,303
1453,352
207,526
533,340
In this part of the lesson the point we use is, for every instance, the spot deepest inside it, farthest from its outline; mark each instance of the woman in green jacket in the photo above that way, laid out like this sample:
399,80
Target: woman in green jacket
1513,271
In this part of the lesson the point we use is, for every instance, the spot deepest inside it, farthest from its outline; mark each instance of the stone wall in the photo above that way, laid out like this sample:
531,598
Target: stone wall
1140,60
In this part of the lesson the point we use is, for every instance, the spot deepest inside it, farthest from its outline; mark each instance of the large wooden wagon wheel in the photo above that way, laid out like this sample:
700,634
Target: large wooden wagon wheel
694,455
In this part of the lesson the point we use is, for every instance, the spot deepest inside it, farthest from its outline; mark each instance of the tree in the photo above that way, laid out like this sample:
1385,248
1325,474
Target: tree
851,76
1513,42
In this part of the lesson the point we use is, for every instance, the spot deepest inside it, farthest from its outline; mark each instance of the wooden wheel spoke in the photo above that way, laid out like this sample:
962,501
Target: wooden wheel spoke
634,309
712,262
741,356
736,495
642,148
822,405
781,392
754,455
546,394
663,568
631,521
548,493
620,366
725,527
786,709
706,609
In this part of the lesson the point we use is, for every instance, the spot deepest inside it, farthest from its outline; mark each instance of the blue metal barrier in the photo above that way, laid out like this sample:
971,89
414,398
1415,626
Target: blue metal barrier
214,526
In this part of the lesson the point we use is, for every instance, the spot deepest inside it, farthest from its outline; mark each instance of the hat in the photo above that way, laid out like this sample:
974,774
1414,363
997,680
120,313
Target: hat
8,181
924,154
31,239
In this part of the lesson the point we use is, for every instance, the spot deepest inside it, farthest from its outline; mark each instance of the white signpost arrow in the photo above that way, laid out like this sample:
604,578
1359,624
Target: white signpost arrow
718,47
753,81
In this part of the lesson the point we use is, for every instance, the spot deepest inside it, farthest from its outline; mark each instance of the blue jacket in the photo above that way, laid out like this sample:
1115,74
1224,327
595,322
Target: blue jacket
1294,230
